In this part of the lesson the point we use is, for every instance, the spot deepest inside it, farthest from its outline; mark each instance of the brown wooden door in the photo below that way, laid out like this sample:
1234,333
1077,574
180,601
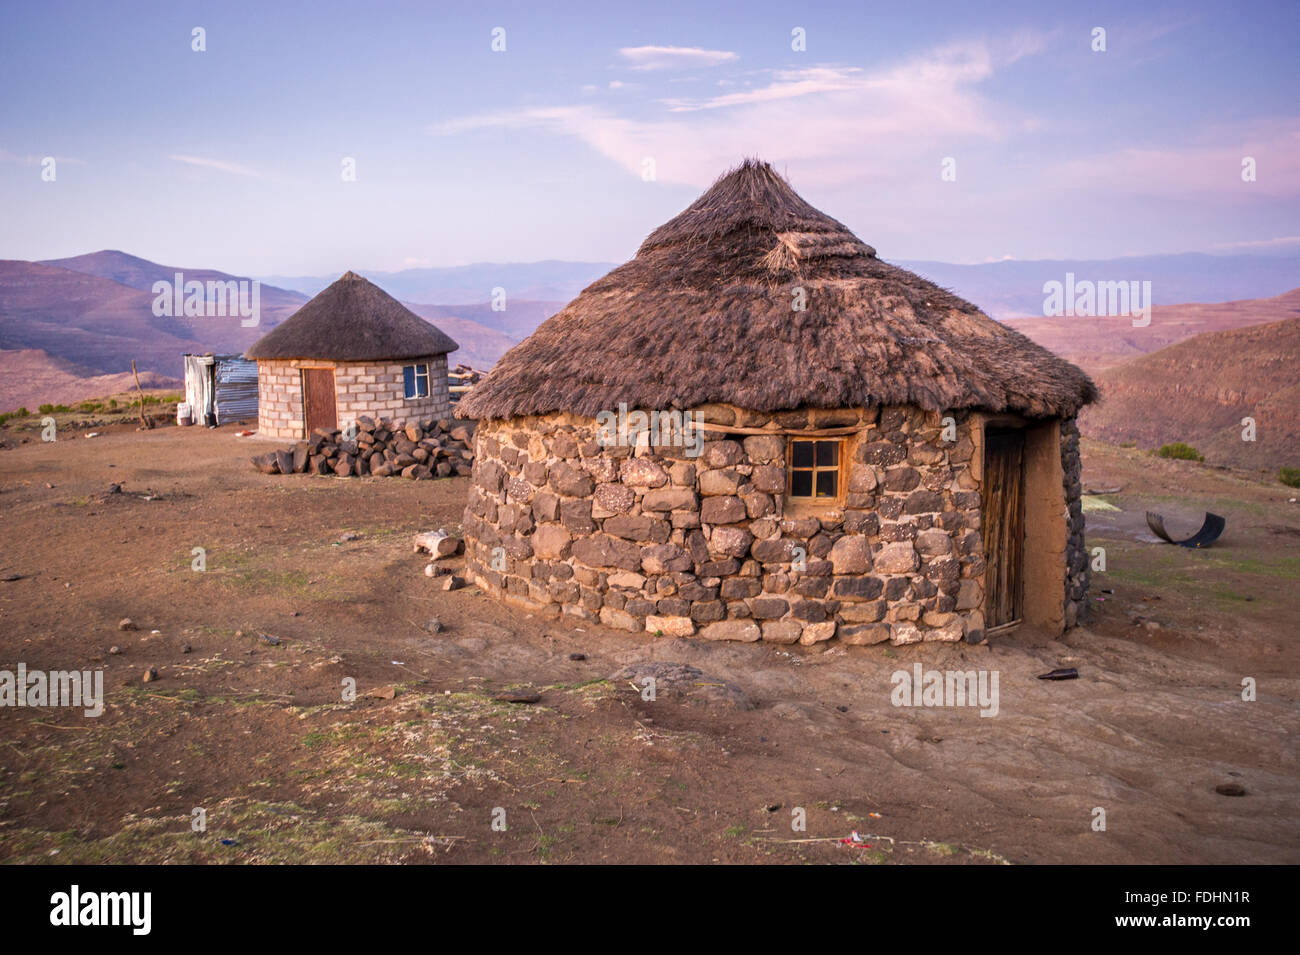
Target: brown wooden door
1004,525
318,406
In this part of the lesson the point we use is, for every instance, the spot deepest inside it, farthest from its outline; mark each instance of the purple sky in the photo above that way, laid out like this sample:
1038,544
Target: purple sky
231,157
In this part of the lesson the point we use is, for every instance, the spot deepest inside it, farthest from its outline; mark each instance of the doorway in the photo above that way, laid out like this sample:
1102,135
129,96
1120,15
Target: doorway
318,406
1004,526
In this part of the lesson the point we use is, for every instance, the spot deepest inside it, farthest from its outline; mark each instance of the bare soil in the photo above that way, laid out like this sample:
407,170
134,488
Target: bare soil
310,581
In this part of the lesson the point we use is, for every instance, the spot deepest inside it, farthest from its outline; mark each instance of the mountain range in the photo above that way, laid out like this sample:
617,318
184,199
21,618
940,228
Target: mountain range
69,329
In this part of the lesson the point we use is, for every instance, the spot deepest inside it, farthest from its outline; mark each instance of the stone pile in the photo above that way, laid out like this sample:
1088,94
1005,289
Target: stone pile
379,448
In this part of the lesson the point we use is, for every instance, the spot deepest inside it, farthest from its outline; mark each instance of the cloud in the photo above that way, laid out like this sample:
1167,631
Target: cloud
235,169
1209,166
1281,242
674,57
839,123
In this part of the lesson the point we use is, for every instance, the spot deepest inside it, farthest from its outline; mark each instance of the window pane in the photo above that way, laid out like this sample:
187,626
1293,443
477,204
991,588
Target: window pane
801,483
408,377
422,380
826,483
802,455
828,454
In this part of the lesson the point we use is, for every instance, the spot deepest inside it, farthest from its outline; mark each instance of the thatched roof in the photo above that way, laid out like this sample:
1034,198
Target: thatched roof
704,313
353,320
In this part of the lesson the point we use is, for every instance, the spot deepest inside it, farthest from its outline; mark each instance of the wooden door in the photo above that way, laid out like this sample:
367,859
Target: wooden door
318,407
1004,525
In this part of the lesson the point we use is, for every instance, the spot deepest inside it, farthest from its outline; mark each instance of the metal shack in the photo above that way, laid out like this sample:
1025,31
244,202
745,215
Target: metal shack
221,388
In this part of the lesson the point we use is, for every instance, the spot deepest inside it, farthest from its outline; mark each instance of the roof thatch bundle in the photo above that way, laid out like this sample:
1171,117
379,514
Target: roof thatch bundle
704,313
353,320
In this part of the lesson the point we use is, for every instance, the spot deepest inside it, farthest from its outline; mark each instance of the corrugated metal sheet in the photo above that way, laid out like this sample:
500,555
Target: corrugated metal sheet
236,387
198,385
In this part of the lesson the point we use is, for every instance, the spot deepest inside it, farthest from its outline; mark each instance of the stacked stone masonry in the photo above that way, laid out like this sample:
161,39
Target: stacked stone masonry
651,538
1076,553
360,388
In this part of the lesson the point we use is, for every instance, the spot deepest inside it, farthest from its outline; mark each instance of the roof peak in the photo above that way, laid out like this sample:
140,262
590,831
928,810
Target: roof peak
350,276
749,197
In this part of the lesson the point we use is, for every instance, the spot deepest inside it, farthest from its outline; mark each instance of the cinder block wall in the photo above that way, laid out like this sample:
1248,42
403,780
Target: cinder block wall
360,388
279,399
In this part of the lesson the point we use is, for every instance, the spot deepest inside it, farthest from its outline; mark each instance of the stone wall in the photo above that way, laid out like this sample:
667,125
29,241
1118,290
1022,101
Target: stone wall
1077,561
376,389
652,539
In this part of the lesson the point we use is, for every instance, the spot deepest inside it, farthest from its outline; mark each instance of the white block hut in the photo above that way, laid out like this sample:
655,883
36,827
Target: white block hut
878,460
352,350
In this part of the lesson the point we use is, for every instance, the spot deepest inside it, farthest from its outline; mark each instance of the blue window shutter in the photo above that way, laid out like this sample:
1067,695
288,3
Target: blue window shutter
408,378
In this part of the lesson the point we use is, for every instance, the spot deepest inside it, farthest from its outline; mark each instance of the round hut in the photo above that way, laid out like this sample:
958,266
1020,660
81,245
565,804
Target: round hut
352,350
756,429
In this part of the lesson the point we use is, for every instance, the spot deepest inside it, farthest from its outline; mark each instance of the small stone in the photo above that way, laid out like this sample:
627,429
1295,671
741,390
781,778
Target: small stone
1230,789
126,623
452,582
150,674
114,650
433,625
185,648
382,692
576,657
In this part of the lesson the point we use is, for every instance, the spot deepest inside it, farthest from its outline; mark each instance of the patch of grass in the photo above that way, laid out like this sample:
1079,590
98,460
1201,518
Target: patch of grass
1289,476
1180,451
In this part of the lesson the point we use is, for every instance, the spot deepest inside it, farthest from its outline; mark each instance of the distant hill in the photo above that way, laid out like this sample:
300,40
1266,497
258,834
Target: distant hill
1014,288
1095,344
30,378
549,281
1199,390
100,324
137,273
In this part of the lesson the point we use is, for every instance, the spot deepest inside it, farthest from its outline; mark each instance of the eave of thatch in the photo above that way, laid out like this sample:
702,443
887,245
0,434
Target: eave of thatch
704,313
353,320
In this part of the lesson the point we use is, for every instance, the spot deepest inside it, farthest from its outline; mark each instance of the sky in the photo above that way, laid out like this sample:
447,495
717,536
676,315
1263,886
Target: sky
961,132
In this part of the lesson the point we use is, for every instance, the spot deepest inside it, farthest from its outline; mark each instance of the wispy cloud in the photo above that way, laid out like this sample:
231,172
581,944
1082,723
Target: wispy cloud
221,165
1211,165
1281,242
674,57
839,122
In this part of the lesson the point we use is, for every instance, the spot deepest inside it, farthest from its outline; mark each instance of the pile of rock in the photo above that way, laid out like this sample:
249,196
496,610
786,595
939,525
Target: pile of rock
379,448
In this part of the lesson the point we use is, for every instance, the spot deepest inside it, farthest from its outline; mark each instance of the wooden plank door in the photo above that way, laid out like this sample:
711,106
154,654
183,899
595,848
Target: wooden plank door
318,406
1004,525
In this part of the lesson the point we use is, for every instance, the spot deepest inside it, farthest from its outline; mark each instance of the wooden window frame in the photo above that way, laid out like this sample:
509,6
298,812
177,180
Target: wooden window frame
840,469
415,378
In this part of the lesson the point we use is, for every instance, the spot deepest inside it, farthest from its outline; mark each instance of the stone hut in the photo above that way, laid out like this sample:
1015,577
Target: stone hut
756,429
352,350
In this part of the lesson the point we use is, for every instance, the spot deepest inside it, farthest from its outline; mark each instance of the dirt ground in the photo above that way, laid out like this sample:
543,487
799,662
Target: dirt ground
310,581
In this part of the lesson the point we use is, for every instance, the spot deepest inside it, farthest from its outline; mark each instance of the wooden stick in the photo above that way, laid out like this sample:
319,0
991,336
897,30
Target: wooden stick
145,421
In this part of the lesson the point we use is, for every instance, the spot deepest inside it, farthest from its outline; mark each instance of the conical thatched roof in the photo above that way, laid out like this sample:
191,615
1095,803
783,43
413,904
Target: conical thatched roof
704,314
353,320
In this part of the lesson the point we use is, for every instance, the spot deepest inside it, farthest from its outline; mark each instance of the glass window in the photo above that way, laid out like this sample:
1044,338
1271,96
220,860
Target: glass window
815,469
416,379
